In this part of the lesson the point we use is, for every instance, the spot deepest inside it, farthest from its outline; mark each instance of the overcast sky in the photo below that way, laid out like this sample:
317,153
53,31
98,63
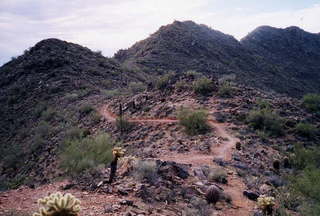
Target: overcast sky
110,25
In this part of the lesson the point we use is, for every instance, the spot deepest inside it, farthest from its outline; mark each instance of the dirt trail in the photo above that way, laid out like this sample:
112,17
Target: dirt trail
107,114
235,186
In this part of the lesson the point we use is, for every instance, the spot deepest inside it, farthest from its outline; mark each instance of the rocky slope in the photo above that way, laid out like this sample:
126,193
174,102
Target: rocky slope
41,96
283,60
293,52
59,89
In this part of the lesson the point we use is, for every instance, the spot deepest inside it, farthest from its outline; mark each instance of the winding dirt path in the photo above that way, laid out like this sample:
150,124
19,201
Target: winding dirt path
235,187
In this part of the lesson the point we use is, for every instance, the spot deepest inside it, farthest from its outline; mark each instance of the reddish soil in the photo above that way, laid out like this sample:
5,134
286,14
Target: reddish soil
235,186
25,198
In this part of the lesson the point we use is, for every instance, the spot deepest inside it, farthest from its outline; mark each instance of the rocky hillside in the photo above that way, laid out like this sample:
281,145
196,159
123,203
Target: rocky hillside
264,59
47,90
293,52
185,46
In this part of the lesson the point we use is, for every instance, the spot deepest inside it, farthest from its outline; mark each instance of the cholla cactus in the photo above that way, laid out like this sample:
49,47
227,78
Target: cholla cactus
266,203
59,205
118,152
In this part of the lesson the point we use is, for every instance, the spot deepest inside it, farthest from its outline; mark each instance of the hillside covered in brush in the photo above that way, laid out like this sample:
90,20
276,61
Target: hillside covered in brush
202,124
44,92
283,60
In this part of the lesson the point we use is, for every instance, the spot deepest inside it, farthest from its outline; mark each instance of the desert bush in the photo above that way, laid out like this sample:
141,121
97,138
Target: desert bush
306,130
217,175
193,74
305,157
199,207
146,170
312,102
227,78
112,93
194,122
181,85
203,86
71,96
307,185
266,120
225,89
37,142
136,87
86,109
11,155
39,109
48,114
74,133
43,129
84,154
304,183
163,81
263,104
95,117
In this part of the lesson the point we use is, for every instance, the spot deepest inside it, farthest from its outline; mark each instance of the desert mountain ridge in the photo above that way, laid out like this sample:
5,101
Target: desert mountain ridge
203,124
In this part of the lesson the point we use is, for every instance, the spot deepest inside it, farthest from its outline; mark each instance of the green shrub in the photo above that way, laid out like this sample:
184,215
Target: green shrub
312,102
48,114
74,133
225,89
107,83
136,87
217,175
266,120
11,155
193,74
304,183
263,104
86,109
146,170
306,130
304,157
195,122
39,109
71,96
113,93
203,86
163,81
87,153
43,129
95,117
307,185
181,85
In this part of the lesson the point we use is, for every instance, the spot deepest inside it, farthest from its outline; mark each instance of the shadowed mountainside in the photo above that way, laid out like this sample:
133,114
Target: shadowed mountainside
283,60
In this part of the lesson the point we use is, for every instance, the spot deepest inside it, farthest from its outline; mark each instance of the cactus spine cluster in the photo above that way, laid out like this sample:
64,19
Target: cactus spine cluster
58,205
118,152
266,204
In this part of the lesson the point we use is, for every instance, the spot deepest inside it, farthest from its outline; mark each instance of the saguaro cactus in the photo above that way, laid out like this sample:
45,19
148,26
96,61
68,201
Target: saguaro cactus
59,205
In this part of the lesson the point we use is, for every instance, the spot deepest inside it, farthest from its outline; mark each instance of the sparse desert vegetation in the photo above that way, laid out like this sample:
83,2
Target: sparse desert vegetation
247,143
194,122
